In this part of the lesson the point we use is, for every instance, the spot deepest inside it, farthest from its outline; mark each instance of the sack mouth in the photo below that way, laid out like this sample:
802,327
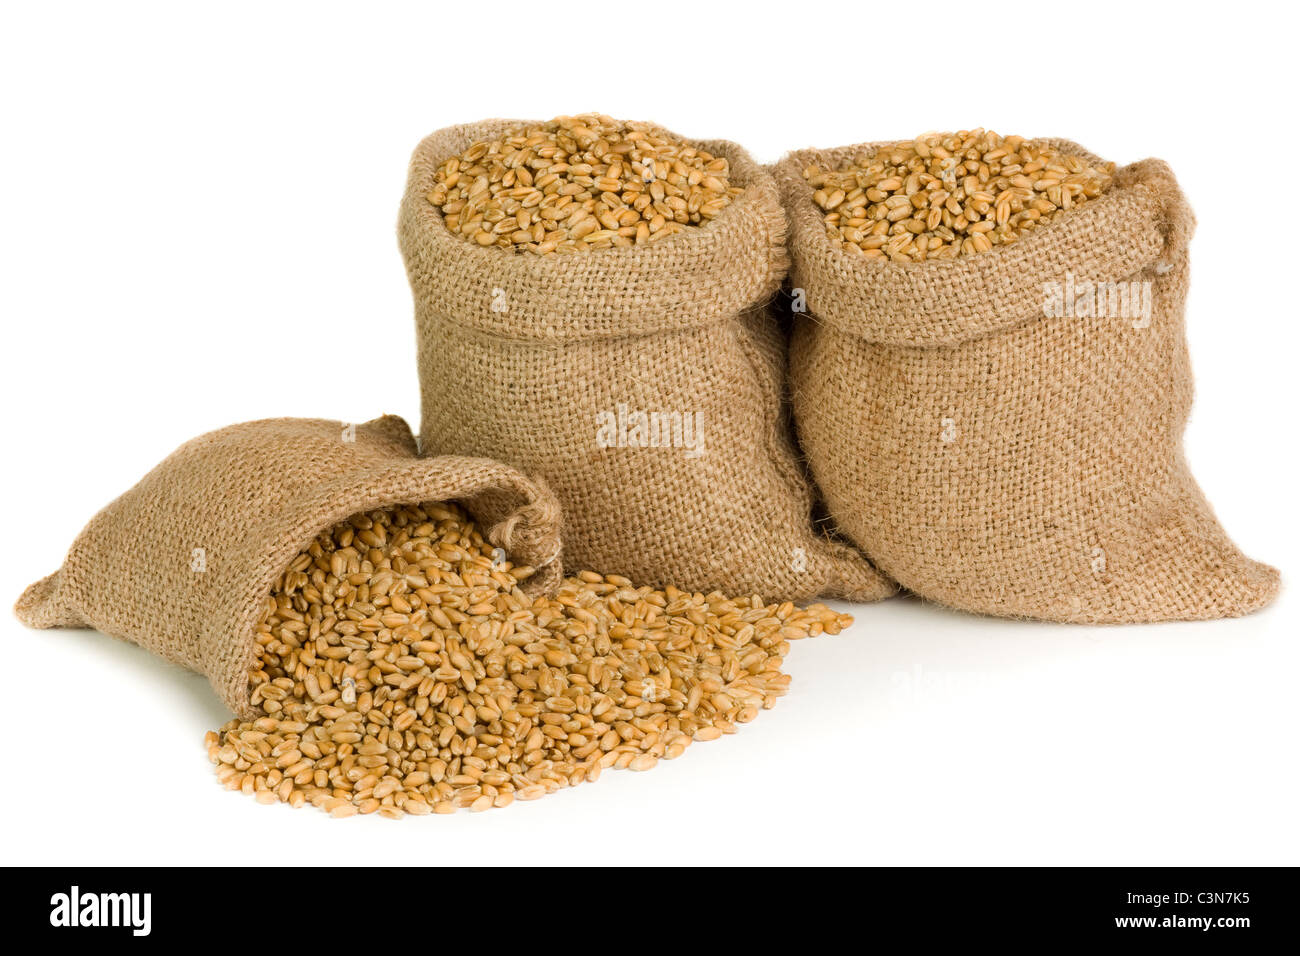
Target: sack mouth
1140,221
699,276
529,533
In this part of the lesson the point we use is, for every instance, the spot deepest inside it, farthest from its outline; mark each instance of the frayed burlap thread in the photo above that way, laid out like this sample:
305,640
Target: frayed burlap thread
997,459
523,356
183,562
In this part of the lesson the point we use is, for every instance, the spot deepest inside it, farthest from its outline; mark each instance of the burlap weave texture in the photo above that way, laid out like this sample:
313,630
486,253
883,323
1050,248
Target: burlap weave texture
183,562
523,356
997,452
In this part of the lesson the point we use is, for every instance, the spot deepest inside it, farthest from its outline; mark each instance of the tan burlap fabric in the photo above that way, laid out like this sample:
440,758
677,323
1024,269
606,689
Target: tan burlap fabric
522,357
182,563
999,460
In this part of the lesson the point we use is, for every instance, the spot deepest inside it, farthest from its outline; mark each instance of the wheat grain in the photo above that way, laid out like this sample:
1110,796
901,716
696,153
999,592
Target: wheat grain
400,671
580,183
945,195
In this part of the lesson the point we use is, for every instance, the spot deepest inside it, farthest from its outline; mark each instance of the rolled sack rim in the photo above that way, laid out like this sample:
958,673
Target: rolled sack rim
700,276
1142,221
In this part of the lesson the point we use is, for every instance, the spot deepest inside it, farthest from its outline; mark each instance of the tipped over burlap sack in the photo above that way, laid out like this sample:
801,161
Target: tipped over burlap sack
1000,442
560,364
183,562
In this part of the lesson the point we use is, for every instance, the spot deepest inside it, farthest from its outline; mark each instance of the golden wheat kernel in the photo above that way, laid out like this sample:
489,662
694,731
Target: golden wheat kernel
450,710
984,190
580,183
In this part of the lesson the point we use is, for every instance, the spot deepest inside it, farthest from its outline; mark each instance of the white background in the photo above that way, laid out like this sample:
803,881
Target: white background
197,228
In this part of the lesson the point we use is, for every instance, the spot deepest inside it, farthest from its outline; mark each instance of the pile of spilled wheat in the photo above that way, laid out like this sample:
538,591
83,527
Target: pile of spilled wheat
401,670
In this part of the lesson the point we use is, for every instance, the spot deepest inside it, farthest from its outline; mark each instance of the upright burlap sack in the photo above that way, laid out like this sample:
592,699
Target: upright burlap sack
524,358
182,563
997,458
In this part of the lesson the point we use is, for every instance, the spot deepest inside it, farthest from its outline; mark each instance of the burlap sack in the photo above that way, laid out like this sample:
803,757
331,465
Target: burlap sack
545,362
182,563
998,459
